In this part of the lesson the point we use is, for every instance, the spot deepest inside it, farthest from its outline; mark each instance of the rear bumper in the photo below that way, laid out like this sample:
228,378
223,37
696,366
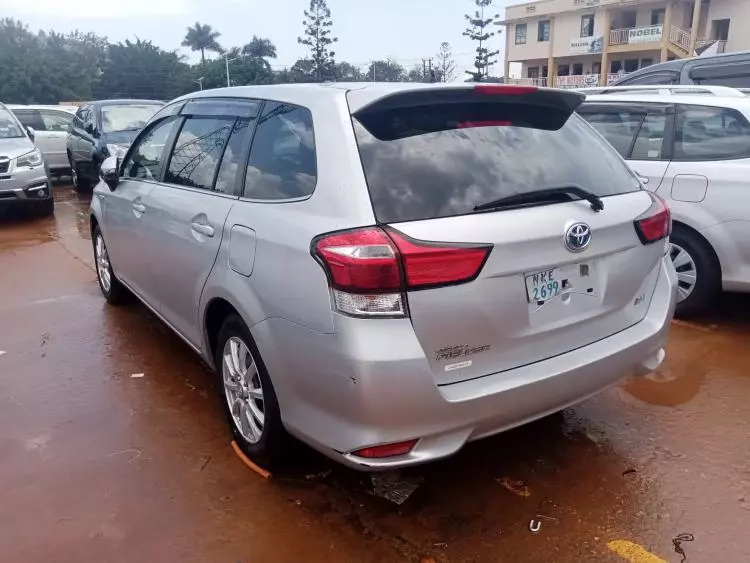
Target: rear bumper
25,187
362,387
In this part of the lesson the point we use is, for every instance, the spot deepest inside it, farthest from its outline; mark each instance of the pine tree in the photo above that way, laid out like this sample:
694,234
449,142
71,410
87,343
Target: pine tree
318,24
479,30
446,65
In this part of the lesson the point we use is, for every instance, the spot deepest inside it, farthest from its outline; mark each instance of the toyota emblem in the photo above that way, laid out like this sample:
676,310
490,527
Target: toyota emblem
577,237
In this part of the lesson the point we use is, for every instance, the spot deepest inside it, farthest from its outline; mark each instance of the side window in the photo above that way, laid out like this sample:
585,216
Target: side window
30,118
618,127
650,141
196,153
657,78
146,156
711,133
56,120
226,180
282,162
79,117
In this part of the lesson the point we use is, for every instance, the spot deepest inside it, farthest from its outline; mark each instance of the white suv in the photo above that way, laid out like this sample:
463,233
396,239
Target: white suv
691,146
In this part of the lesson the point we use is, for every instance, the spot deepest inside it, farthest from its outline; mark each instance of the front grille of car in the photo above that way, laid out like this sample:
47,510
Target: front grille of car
4,164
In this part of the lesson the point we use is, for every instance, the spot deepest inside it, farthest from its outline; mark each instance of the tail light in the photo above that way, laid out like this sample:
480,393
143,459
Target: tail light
370,270
656,223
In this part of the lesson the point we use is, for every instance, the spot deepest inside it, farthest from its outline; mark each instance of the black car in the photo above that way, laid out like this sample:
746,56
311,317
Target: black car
102,129
731,69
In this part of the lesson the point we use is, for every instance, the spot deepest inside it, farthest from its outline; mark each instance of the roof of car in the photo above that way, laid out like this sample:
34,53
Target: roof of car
360,93
677,64
68,109
689,99
123,102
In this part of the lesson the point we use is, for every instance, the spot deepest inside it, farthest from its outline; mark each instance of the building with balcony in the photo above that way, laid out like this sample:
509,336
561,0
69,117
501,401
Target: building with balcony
575,43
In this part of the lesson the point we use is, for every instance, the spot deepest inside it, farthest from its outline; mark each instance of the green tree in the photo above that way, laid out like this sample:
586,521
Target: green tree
122,75
243,70
386,71
260,49
446,65
478,30
346,72
202,38
318,24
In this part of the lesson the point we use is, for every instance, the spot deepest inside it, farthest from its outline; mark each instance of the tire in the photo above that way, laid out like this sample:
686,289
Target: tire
114,292
81,182
264,441
695,260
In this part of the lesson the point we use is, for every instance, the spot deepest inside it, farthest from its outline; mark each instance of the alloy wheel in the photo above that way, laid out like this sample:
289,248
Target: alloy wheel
102,264
687,273
243,389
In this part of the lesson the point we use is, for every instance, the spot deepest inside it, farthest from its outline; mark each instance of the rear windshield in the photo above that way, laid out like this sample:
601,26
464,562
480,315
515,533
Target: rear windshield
130,117
443,160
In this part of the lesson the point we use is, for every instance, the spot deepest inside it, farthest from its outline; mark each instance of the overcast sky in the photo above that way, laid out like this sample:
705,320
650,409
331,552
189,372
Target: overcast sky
405,30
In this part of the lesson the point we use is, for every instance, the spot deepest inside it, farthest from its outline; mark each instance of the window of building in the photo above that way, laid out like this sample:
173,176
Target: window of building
657,16
145,159
710,133
629,18
533,72
543,30
615,67
631,65
596,68
228,180
282,161
720,30
197,152
545,71
587,26
563,70
646,62
649,143
577,69
521,33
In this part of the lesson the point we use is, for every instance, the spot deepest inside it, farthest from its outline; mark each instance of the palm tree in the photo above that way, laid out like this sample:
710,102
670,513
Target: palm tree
202,38
260,49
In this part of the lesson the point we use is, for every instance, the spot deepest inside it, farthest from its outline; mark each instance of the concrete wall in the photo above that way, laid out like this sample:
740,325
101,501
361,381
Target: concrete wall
533,49
738,11
568,27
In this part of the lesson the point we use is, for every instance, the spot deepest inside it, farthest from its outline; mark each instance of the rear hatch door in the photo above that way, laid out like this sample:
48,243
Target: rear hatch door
561,274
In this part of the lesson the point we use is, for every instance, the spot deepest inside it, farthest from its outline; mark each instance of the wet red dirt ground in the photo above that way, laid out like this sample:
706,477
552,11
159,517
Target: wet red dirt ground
96,465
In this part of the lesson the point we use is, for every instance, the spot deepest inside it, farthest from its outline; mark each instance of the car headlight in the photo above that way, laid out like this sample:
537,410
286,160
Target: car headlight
117,150
29,160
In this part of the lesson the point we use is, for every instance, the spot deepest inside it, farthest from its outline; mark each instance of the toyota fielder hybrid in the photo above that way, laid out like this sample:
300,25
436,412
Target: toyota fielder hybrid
388,271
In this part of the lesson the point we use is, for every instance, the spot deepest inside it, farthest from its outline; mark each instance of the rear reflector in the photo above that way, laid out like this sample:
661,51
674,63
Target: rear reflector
504,89
370,269
656,223
386,450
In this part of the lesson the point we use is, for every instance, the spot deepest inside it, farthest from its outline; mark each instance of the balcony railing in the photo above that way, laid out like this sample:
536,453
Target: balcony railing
635,35
541,82
586,80
680,38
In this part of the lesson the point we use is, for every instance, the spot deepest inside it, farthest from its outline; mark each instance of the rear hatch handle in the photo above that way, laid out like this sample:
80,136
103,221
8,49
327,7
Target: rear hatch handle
544,196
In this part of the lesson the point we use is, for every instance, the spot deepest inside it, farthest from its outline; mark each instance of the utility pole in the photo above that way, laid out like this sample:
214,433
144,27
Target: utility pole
373,71
227,60
199,81
427,74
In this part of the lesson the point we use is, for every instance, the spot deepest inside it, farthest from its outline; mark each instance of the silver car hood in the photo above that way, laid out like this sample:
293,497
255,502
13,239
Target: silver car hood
11,148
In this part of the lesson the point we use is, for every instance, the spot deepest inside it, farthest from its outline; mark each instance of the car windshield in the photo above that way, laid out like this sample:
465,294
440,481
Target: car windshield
130,117
9,128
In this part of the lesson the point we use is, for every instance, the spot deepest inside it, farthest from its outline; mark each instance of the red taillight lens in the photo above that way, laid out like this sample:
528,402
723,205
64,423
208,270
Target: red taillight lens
433,264
656,223
387,450
504,89
361,261
370,269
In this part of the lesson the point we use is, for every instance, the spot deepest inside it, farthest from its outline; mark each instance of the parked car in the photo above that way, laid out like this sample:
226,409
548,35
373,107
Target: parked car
388,271
730,69
51,125
694,151
24,182
102,129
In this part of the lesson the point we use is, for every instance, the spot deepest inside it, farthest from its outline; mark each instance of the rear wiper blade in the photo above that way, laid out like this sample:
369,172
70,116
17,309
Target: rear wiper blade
542,197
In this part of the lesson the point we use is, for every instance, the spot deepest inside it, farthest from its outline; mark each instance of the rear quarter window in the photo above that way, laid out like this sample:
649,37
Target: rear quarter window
443,160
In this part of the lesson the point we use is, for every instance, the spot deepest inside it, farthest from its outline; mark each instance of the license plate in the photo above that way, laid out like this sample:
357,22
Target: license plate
544,286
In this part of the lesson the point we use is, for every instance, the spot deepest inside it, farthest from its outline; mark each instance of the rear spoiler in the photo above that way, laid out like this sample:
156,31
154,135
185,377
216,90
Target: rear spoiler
565,101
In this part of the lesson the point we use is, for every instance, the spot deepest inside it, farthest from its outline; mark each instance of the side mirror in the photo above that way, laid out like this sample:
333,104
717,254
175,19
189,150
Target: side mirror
110,171
89,128
31,133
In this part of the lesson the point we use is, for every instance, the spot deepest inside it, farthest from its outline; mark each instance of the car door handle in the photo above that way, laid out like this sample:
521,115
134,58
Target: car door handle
139,207
203,229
